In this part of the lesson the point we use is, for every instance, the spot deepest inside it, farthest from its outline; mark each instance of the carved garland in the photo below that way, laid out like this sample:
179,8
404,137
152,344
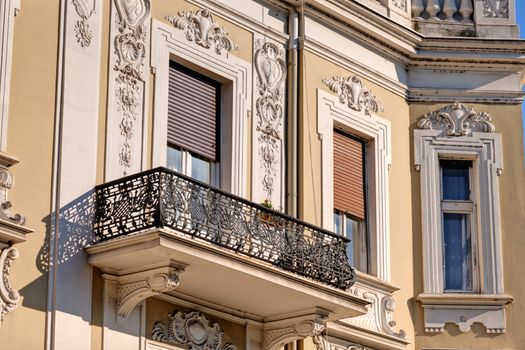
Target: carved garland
8,296
400,4
85,9
270,66
352,92
192,329
497,9
130,48
200,27
457,120
276,338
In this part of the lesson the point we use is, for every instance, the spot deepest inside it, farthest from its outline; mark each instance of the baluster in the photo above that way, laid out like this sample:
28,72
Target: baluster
466,10
417,8
450,9
433,8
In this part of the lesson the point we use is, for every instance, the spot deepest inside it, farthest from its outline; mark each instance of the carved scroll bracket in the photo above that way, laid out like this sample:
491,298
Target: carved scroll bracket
136,287
275,338
192,329
9,297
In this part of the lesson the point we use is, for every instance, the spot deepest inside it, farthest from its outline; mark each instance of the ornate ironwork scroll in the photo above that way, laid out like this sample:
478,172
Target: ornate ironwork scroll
162,198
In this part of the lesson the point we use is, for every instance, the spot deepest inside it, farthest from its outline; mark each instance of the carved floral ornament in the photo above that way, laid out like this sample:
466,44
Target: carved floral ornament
353,93
457,120
496,8
85,9
200,27
270,65
130,48
192,329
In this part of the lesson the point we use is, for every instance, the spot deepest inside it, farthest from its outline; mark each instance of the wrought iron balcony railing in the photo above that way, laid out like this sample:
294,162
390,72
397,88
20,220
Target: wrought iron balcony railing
162,198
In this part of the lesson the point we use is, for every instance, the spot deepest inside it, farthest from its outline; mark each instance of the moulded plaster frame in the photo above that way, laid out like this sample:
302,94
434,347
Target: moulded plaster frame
485,149
169,43
8,9
330,113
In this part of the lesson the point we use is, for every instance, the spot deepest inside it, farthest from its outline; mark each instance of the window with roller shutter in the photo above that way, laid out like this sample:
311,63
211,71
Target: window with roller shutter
193,123
349,169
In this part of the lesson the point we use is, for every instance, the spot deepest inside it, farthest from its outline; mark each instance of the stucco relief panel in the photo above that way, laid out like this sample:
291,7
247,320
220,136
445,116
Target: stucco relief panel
127,78
84,33
268,132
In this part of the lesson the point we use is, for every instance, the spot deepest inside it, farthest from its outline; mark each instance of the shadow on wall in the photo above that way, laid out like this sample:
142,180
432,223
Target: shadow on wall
75,233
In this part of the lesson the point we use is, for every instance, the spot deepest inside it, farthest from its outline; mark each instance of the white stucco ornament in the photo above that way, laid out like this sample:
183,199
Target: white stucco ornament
457,120
192,329
353,93
9,297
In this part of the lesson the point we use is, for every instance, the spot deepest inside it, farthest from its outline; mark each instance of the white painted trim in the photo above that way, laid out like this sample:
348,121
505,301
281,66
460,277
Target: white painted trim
235,74
484,148
8,11
331,112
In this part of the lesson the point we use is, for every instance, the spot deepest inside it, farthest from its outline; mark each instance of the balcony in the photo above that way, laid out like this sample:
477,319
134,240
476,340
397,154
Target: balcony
159,232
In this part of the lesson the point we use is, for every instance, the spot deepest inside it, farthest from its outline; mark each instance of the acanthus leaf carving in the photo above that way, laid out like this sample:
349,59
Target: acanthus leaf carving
85,9
400,4
496,8
457,120
130,50
200,26
276,338
9,297
130,294
270,65
353,93
192,329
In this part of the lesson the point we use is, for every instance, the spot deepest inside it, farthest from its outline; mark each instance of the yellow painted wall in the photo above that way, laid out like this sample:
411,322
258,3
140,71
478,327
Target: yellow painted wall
507,119
30,138
396,110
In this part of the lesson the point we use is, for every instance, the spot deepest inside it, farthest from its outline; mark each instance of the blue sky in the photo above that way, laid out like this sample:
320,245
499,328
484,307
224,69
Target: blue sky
520,14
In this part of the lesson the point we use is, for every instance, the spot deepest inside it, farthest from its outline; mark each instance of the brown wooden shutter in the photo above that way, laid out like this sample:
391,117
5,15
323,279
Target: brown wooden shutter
192,112
349,187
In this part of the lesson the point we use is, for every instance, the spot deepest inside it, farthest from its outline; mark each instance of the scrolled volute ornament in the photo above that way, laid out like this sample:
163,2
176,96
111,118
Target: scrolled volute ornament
200,27
9,297
457,120
354,94
192,329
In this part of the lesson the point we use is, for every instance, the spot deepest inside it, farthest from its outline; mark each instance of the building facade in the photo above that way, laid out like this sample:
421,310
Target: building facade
259,174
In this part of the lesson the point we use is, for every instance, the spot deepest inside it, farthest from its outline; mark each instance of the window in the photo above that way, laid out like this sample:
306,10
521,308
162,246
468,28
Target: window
168,45
193,124
458,218
366,217
458,155
350,196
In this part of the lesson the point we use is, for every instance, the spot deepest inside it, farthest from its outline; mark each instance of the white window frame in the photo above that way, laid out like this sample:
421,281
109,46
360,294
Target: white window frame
234,74
331,113
447,139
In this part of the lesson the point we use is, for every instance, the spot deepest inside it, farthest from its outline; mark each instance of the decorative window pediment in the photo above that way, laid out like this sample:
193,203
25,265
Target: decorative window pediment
353,93
457,133
200,27
457,120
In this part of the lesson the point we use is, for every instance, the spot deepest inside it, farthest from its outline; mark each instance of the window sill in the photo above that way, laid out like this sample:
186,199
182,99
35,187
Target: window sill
463,310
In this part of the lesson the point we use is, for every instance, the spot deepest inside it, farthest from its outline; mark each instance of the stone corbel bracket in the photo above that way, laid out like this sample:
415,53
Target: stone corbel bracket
486,309
136,287
6,182
8,296
276,336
